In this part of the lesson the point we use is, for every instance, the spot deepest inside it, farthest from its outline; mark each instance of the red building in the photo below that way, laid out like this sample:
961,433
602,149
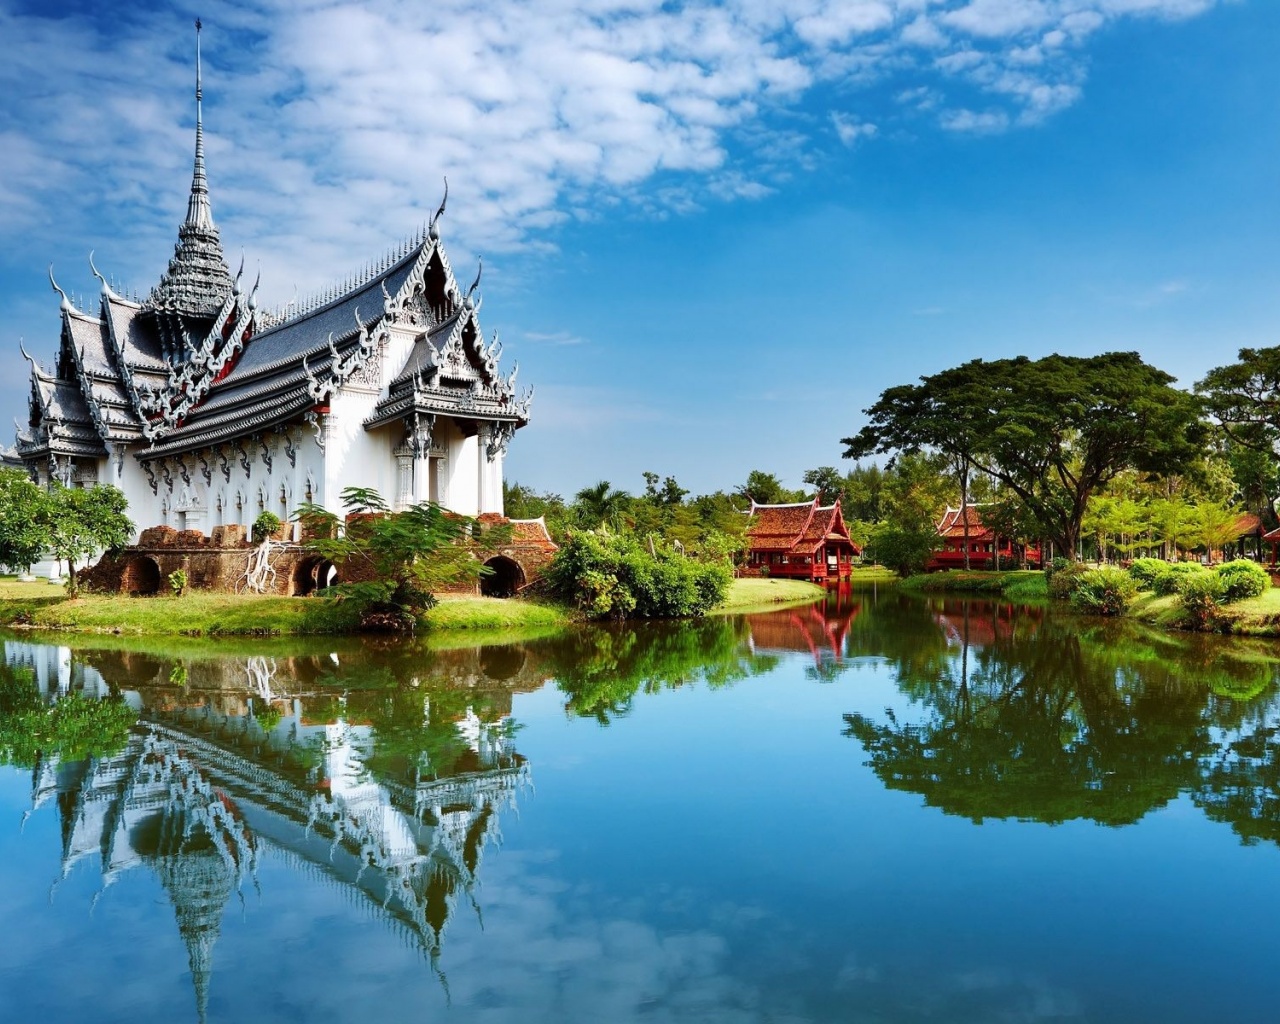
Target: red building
804,541
984,545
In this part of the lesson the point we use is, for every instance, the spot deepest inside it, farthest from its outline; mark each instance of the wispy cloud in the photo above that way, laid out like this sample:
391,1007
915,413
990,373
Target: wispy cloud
331,125
553,338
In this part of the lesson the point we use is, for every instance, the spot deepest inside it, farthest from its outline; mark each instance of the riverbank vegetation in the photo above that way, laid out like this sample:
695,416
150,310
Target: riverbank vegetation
1100,458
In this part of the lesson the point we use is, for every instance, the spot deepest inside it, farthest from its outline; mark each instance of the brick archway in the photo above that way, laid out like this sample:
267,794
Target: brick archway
505,580
141,577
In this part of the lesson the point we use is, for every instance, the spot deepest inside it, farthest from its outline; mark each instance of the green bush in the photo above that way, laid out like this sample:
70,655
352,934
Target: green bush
612,576
265,526
1241,579
1201,594
1145,571
1169,579
178,581
1065,579
1104,591
1057,565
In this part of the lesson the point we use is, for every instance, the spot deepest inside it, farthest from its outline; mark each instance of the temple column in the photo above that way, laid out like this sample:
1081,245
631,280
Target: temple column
404,476
484,463
421,444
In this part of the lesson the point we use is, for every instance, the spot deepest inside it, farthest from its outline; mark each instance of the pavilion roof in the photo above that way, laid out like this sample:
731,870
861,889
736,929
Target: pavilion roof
798,526
953,522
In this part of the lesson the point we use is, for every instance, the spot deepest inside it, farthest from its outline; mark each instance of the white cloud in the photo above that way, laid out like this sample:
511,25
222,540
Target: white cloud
330,125
850,129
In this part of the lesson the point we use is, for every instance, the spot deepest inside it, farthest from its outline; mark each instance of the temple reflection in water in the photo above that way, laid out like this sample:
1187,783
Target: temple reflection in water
199,791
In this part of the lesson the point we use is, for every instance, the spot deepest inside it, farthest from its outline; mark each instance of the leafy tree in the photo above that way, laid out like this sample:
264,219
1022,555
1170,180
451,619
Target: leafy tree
1215,526
522,502
24,535
670,493
83,520
1244,398
601,505
396,560
828,483
1053,431
863,488
766,489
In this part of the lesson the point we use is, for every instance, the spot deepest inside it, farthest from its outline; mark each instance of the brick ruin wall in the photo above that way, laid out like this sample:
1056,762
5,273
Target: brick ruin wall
218,563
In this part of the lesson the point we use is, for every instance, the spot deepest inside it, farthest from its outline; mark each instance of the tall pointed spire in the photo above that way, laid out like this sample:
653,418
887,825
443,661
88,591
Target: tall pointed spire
198,278
199,213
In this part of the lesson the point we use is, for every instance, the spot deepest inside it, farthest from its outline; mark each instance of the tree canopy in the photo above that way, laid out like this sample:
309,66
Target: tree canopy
1051,430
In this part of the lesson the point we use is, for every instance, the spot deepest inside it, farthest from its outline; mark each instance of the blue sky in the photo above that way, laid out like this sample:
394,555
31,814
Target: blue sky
712,233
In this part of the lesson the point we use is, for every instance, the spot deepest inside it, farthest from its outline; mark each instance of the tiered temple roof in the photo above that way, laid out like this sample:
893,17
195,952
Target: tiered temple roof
197,364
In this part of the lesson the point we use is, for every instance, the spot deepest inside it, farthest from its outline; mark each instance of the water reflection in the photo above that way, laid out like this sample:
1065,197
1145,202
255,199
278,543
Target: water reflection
384,772
389,787
1020,713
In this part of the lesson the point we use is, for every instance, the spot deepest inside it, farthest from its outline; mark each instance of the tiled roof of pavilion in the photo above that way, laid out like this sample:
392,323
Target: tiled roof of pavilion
797,526
952,524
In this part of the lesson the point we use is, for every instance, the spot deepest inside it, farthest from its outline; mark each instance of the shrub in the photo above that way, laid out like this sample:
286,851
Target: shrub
1064,580
178,581
905,551
1201,593
1241,579
1104,591
1168,580
265,526
611,576
1057,565
1145,571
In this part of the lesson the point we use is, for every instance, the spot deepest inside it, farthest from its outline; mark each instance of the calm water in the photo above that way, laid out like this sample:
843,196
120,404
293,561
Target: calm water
879,810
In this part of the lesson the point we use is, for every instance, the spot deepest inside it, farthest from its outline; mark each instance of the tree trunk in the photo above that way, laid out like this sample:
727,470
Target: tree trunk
964,508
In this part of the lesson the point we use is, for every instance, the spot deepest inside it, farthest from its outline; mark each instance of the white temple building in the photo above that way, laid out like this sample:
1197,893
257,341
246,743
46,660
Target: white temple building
206,409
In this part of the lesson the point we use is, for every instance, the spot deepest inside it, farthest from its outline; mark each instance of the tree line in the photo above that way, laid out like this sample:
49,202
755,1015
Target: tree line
1103,449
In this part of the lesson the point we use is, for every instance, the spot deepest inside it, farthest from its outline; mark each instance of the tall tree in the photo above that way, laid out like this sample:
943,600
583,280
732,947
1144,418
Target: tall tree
1053,431
827,482
765,489
1244,397
24,534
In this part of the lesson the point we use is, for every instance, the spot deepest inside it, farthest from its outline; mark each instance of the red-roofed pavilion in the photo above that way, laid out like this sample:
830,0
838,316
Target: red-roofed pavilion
804,541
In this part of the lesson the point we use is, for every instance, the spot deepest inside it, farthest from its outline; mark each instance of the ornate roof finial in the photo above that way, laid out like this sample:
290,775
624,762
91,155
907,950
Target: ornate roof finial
106,288
199,213
66,302
432,230
479,271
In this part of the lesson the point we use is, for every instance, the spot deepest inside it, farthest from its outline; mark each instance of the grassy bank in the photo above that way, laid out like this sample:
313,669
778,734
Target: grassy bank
758,594
1015,585
489,613
41,606
1254,616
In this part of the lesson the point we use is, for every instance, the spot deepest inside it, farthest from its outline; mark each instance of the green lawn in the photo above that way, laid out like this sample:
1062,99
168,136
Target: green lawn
1017,585
1254,616
755,594
200,613
494,613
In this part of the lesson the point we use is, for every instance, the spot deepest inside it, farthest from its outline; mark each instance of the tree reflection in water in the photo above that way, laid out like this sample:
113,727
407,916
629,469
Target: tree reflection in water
1032,714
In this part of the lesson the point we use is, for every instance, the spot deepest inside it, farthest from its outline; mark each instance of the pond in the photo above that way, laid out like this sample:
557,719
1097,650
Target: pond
878,808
